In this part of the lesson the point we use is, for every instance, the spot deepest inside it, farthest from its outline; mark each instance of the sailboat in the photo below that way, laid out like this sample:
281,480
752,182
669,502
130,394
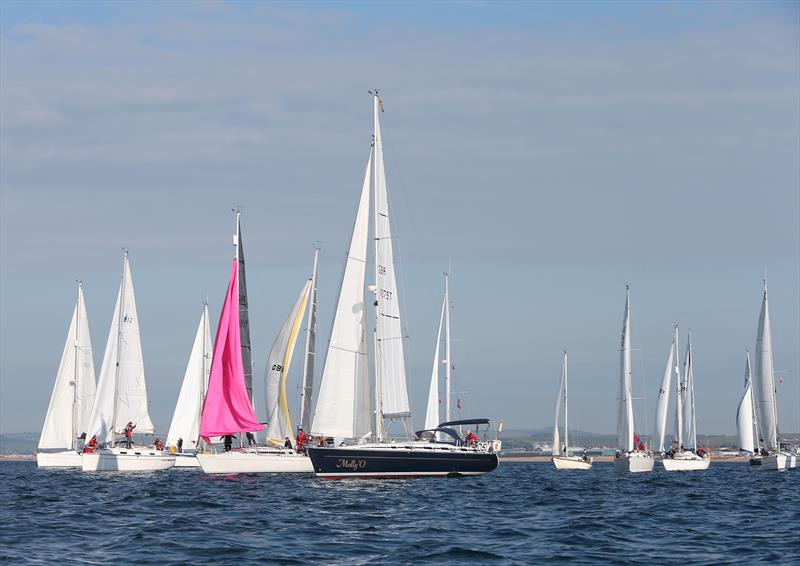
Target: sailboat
274,457
683,454
746,424
561,458
354,447
72,397
630,456
228,408
122,394
775,454
183,437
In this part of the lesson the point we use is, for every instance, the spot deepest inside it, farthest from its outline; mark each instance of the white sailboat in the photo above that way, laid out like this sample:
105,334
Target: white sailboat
275,457
72,397
684,454
630,456
562,459
746,424
775,454
122,394
183,437
342,412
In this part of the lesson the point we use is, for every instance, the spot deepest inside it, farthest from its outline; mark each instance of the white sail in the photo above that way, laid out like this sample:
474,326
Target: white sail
186,419
689,417
279,417
625,402
764,380
390,363
662,404
343,402
744,414
310,351
121,391
432,413
74,389
561,394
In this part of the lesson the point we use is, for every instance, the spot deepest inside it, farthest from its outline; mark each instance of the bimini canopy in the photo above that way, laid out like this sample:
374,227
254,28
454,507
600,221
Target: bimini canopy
465,422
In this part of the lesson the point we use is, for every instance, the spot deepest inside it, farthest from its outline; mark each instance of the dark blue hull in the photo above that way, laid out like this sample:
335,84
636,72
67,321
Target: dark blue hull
355,462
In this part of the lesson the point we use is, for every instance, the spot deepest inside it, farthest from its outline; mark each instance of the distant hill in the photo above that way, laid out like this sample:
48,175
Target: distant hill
19,442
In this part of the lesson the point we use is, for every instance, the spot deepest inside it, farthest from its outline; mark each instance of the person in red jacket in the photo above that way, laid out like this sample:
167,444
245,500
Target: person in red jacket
301,440
472,439
92,446
129,434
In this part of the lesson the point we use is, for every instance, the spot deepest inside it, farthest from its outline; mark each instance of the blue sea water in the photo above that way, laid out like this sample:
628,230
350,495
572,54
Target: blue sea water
522,513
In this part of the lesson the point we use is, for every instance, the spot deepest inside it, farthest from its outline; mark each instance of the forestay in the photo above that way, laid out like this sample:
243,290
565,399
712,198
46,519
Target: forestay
279,418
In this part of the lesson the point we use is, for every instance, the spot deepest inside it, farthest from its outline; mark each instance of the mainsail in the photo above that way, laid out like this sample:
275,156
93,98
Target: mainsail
689,440
764,380
625,401
561,397
227,408
73,393
310,353
744,414
279,418
342,409
185,424
244,317
662,404
392,400
121,390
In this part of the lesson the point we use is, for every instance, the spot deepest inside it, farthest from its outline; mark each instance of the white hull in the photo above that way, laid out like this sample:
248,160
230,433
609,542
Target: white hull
252,462
687,462
634,462
777,462
186,460
65,459
571,463
136,459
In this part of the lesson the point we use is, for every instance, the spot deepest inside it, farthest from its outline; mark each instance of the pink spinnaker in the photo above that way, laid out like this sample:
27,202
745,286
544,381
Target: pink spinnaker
227,409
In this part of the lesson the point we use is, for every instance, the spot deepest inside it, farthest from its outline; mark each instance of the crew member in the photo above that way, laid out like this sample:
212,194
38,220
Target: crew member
301,441
228,442
129,434
472,439
158,444
92,446
287,443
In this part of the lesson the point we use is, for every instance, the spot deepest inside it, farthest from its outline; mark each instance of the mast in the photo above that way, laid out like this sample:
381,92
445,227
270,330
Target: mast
75,367
448,367
376,287
691,424
203,383
308,363
680,397
566,408
119,342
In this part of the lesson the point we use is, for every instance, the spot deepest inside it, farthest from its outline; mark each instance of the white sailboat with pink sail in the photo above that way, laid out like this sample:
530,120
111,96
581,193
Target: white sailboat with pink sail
228,409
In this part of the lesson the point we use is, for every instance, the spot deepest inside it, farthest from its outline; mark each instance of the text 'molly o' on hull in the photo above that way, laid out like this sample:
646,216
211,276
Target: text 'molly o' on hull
399,462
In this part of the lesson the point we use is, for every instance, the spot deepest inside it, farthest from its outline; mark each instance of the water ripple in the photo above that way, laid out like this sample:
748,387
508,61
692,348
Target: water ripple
523,513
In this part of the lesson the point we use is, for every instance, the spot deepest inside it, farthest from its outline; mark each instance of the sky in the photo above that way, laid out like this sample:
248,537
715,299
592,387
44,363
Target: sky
546,154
